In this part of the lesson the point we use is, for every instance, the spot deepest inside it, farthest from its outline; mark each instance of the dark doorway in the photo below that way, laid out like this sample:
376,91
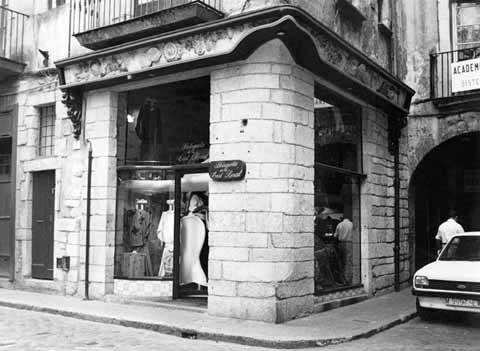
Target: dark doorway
42,224
447,178
5,205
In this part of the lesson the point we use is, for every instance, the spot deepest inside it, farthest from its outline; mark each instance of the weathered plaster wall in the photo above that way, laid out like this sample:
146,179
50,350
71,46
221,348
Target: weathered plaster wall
365,36
46,30
419,36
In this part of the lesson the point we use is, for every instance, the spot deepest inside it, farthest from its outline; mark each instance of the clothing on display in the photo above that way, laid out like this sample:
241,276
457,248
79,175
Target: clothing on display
149,129
192,238
165,234
140,226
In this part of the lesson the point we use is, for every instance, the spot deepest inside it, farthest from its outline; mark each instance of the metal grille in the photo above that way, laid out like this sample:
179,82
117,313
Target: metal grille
454,286
91,14
441,71
12,28
47,130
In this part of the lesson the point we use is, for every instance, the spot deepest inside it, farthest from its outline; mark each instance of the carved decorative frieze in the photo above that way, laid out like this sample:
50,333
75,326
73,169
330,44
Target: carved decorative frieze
158,55
222,41
73,100
355,66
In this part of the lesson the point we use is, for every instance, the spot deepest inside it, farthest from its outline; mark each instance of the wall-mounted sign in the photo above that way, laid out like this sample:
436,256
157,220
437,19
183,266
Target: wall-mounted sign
465,75
226,171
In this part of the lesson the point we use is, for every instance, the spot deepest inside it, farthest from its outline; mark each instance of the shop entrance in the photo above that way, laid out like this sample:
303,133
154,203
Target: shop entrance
447,178
42,224
162,197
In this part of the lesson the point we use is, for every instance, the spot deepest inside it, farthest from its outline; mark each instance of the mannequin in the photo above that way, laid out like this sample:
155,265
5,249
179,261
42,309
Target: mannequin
192,237
149,129
140,227
165,234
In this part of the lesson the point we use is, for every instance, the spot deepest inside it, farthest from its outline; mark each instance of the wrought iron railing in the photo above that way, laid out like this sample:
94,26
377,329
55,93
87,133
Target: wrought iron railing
12,31
91,14
441,71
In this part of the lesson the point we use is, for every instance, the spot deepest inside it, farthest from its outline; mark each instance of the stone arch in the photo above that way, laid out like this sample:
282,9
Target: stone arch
444,179
425,134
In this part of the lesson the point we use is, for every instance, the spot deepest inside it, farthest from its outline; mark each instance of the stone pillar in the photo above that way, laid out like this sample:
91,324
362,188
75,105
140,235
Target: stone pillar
101,131
261,231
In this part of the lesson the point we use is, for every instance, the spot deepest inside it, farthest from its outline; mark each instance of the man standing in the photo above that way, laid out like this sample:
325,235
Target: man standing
344,233
448,229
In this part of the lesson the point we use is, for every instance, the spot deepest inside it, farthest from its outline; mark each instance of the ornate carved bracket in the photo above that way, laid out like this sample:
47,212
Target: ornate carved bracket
73,100
395,126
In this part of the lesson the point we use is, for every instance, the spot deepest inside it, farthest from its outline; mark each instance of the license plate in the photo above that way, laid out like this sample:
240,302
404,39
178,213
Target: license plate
462,302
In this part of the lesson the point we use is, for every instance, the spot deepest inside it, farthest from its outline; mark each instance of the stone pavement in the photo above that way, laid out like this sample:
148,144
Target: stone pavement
335,326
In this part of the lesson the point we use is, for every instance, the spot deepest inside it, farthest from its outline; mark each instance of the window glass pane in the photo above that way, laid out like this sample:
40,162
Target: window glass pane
168,124
143,199
144,239
5,158
47,130
468,25
337,136
337,231
337,195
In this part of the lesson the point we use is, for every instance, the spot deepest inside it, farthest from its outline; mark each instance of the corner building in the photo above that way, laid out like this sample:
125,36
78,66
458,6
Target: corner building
243,153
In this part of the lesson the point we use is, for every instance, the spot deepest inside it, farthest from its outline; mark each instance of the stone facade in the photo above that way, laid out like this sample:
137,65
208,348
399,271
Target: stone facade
261,234
378,207
261,238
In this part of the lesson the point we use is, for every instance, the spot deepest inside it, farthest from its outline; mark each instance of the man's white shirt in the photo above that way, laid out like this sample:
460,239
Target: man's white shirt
448,229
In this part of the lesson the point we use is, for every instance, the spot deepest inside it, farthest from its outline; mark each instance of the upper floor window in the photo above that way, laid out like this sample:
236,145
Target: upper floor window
55,3
47,131
466,24
5,158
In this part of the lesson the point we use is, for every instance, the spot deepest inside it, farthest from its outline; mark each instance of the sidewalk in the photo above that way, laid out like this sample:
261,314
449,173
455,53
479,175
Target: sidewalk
335,326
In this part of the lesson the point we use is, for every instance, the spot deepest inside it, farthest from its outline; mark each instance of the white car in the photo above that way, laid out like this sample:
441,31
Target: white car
452,282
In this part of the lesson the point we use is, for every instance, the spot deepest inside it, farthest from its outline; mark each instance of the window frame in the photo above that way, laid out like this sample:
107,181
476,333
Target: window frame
454,24
47,150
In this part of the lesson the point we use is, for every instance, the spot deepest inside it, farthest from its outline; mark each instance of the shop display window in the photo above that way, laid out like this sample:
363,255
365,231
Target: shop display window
162,156
145,225
337,195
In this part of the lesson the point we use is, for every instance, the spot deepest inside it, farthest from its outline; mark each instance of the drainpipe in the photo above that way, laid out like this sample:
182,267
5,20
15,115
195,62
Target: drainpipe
395,125
87,230
396,182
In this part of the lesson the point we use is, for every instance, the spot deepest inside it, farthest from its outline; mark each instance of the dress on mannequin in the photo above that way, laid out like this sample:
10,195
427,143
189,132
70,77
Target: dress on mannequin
192,236
165,234
149,129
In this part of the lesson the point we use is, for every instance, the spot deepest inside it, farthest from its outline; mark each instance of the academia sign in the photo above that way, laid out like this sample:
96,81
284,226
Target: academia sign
465,75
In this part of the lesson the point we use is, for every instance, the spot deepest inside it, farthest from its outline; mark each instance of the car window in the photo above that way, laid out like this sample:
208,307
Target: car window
462,248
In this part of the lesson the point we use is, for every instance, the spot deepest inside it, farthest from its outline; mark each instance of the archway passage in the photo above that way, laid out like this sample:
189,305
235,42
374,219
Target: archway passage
447,178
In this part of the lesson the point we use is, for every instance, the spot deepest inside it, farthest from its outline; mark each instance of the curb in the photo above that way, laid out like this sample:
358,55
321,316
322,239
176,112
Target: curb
194,334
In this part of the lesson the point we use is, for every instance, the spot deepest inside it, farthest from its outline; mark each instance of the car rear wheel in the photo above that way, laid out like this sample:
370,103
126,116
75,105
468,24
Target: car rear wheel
425,314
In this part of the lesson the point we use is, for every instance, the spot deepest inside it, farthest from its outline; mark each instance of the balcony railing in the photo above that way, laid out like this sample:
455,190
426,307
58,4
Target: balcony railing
87,15
12,30
441,71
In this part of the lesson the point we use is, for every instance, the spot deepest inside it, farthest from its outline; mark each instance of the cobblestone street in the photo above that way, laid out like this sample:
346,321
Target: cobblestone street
26,330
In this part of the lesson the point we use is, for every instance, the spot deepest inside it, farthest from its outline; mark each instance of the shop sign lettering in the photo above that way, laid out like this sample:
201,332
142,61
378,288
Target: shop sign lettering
465,75
225,171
